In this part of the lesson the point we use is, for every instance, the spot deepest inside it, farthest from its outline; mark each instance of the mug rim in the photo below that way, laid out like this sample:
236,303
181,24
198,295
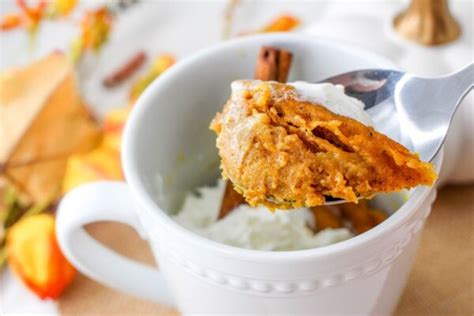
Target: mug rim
138,190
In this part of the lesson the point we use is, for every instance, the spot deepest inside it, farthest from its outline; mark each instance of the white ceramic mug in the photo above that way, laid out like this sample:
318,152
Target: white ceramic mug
168,149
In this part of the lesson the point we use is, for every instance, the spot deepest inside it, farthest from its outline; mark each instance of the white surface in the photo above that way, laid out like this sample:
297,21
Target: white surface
253,227
16,299
364,23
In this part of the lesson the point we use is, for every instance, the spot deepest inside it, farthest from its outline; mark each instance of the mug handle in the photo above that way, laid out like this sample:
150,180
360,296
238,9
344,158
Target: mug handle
106,201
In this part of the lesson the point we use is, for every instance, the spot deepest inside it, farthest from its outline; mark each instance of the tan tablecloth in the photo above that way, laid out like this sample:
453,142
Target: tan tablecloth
441,283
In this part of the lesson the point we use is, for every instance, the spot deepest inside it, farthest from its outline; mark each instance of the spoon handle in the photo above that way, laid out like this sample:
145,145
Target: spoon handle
427,106
463,82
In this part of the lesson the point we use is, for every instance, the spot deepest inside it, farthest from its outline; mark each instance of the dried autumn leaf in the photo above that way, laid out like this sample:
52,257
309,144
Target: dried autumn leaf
29,16
42,122
114,124
34,255
32,13
115,120
62,7
160,64
283,23
12,210
103,163
10,21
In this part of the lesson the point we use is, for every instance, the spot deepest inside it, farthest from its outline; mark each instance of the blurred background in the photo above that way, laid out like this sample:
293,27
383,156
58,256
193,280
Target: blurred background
71,70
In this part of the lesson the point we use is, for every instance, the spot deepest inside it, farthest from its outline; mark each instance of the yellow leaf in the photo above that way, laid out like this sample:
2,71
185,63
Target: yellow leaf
114,124
63,7
103,163
42,122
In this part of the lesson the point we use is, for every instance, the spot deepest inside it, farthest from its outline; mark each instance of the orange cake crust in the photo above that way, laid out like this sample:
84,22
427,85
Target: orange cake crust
281,151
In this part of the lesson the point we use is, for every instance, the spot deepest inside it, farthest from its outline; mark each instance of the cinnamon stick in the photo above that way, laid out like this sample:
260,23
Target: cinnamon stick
126,71
230,200
272,64
326,217
361,216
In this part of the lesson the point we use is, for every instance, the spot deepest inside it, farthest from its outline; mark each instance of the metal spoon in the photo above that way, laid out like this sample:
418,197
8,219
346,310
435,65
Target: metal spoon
414,111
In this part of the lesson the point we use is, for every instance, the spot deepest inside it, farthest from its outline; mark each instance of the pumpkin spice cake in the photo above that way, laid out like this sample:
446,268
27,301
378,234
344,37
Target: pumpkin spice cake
281,150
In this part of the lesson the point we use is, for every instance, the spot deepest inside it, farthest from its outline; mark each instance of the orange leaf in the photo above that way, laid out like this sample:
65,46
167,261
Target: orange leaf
283,23
10,21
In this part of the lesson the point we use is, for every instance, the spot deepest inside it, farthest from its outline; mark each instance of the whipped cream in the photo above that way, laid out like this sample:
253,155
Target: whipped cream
329,95
253,228
334,99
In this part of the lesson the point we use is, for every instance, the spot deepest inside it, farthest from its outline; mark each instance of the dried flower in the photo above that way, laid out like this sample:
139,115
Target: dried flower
30,16
33,14
95,29
34,255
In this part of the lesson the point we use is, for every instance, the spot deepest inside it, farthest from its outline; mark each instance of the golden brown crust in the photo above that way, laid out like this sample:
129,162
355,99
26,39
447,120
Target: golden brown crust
276,147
